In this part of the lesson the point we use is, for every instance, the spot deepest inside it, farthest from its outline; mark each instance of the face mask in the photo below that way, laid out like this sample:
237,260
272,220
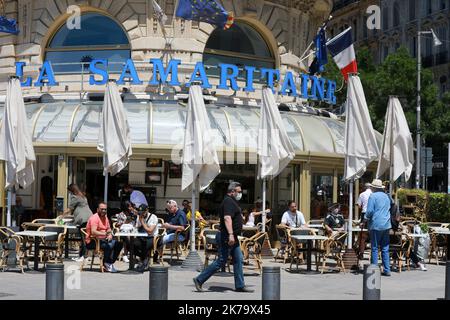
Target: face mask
238,196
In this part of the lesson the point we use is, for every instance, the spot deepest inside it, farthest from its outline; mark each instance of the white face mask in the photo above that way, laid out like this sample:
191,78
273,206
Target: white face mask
238,196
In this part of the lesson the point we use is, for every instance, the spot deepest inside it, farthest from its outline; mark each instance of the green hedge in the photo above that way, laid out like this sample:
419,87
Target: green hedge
436,205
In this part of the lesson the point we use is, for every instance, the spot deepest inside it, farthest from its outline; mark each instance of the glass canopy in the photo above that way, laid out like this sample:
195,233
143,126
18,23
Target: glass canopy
162,123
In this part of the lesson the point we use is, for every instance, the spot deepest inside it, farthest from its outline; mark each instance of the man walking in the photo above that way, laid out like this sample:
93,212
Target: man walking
379,222
230,228
362,202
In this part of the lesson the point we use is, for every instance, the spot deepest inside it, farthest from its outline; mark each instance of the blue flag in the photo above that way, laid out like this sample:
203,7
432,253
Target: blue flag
8,25
209,11
321,59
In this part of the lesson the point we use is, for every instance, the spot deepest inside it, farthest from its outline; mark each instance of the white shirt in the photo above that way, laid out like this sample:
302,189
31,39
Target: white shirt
137,198
293,220
150,221
251,220
363,199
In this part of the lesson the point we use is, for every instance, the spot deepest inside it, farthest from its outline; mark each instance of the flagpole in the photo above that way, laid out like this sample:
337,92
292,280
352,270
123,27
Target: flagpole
350,215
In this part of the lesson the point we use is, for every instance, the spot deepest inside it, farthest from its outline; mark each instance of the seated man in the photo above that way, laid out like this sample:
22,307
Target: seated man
293,218
98,227
334,220
177,221
147,222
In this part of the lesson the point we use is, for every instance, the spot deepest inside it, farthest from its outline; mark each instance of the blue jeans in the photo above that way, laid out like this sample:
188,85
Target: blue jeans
171,238
224,251
111,249
380,238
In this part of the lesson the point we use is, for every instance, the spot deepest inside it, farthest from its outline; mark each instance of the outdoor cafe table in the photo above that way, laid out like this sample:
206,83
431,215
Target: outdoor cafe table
36,235
309,239
132,235
317,226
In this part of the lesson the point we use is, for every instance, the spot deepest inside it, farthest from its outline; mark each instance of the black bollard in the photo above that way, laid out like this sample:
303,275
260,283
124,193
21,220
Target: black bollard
372,282
54,282
271,283
159,283
447,280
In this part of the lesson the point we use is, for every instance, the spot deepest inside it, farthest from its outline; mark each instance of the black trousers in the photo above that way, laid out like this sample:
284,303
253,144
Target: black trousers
142,247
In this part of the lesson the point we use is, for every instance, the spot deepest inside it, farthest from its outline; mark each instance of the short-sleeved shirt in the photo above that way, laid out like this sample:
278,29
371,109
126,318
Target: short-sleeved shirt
363,200
334,221
80,207
178,219
102,224
202,223
150,220
137,198
230,207
293,220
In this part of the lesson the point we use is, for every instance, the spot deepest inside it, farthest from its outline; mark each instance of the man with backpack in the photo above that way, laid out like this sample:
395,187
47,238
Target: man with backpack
378,216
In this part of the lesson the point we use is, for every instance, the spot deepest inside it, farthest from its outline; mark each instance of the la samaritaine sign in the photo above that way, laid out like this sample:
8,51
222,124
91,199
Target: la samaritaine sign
311,87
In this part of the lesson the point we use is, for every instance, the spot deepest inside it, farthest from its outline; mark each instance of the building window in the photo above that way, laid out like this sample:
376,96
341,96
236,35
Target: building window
443,4
429,6
385,18
71,50
240,45
396,14
412,9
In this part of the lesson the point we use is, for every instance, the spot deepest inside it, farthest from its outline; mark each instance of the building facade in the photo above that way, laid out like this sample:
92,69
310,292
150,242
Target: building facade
64,117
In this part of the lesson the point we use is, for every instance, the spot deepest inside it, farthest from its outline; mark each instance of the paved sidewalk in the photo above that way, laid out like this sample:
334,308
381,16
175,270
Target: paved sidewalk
409,285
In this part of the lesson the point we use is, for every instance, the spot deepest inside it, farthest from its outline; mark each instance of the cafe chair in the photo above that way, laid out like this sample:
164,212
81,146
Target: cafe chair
158,247
11,250
210,244
298,247
438,246
97,252
252,248
52,248
332,249
399,248
285,243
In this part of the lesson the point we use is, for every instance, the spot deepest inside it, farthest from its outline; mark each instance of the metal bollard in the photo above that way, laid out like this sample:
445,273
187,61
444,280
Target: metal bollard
54,282
271,283
372,282
447,280
159,283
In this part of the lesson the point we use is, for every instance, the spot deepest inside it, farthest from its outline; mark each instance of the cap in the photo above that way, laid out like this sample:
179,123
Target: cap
142,208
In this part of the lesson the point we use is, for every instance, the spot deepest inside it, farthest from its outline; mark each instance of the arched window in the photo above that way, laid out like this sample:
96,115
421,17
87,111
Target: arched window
99,37
240,45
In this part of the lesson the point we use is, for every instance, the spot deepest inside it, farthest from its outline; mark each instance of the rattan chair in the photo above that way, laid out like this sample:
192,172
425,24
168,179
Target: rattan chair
12,250
96,252
332,249
52,247
285,243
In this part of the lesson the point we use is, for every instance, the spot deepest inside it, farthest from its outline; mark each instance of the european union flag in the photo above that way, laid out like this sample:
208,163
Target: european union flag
209,11
8,25
321,59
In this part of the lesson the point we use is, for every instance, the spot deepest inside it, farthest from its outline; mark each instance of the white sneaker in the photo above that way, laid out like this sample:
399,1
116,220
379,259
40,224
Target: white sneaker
422,267
125,259
107,267
80,259
113,269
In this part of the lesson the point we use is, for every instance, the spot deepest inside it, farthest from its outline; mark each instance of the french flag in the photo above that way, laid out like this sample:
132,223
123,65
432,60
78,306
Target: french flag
343,52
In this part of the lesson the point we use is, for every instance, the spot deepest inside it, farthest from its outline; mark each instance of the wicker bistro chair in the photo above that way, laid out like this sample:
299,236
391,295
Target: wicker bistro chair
297,247
52,248
332,249
399,248
285,243
11,250
97,252
157,247
252,248
438,247
177,246
210,244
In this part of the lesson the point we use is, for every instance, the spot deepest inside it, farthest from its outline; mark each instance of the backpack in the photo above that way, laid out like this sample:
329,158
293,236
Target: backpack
395,216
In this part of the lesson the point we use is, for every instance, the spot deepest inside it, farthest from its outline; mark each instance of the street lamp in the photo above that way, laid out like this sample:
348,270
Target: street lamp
436,42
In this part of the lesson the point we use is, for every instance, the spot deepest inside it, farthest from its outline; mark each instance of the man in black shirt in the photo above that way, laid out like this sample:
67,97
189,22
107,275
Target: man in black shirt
230,227
334,220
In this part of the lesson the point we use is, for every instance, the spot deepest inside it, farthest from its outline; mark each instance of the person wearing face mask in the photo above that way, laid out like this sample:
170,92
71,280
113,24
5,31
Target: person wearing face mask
230,227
